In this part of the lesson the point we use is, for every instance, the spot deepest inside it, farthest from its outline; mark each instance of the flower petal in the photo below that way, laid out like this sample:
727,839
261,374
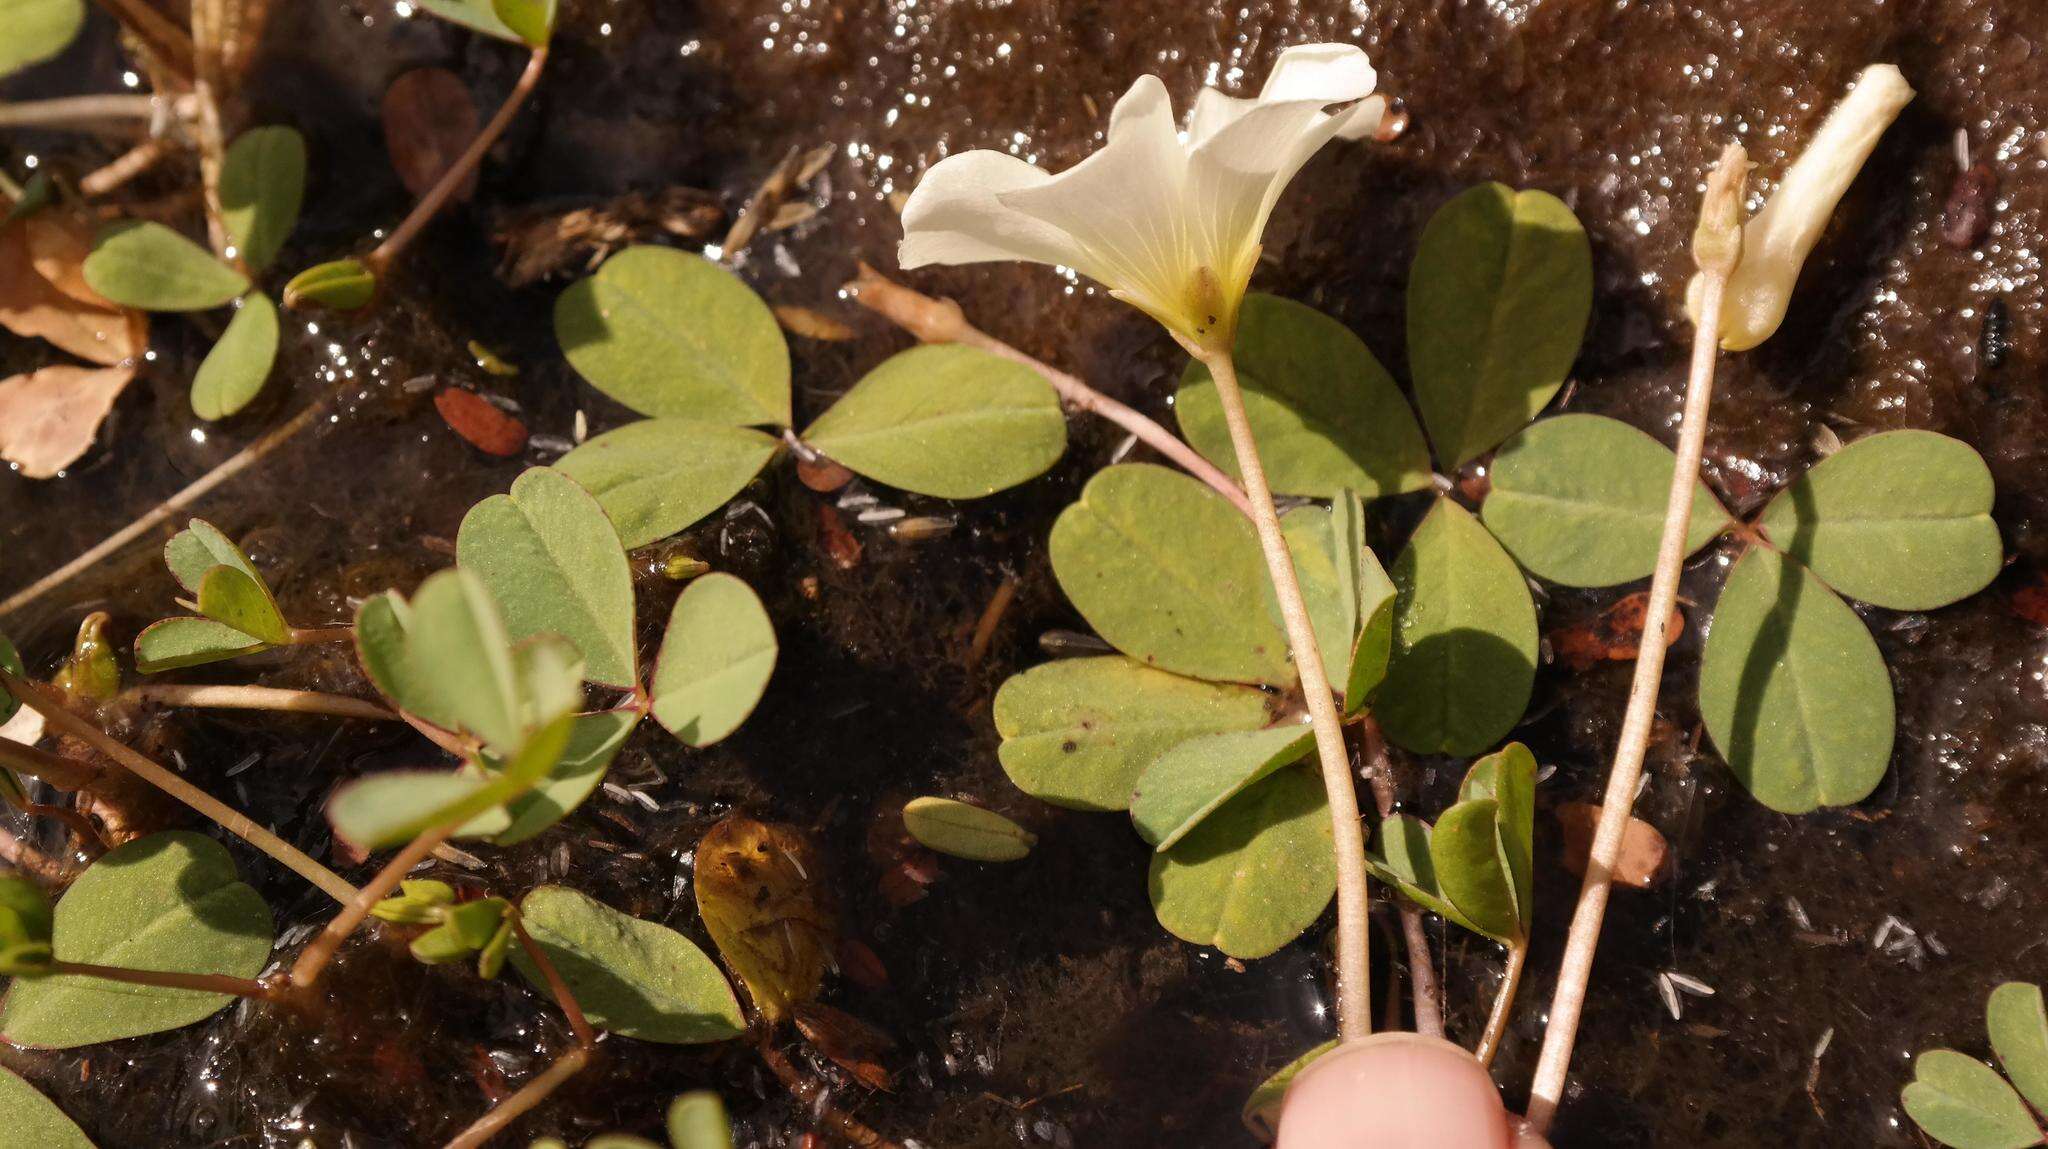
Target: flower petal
1325,73
956,215
1213,112
1236,176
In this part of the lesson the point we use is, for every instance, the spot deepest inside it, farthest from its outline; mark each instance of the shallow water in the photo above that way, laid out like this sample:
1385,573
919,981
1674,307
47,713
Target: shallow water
1040,1004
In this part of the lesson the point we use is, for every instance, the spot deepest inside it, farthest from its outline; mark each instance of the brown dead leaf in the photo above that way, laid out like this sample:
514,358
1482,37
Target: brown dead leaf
48,419
849,1042
841,546
759,891
32,307
429,118
812,324
58,243
1643,851
1616,634
480,422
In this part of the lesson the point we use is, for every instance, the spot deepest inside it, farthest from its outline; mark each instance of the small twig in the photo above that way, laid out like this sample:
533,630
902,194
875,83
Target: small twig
227,817
1503,1003
59,771
132,112
516,1106
762,204
207,89
1422,980
1354,957
942,321
991,617
430,204
123,168
258,698
192,493
169,979
312,636
316,955
1717,249
170,42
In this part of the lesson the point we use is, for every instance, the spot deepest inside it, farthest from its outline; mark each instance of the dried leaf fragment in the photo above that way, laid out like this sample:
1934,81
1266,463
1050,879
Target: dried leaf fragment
429,118
48,419
33,307
480,423
811,324
1644,853
758,889
850,1043
1615,635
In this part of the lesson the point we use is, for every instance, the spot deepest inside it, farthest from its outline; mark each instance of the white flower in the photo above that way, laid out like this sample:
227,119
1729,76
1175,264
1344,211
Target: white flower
1169,222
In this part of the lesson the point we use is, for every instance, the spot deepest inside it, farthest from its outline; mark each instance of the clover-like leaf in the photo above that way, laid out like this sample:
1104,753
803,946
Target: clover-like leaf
262,184
1464,646
1900,520
418,902
169,902
175,642
1079,732
758,891
716,658
633,977
340,285
1472,871
1579,500
1326,415
141,263
394,807
228,596
1171,575
1194,779
2018,1024
946,420
1509,779
1407,862
964,830
657,476
1963,1103
37,30
673,334
1254,874
1261,1113
1793,689
239,364
594,740
28,1116
199,548
533,21
552,560
1498,299
697,1120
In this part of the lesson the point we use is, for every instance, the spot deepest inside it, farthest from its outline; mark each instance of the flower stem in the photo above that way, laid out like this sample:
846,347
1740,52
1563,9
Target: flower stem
941,321
259,698
516,1106
436,197
230,819
169,979
315,956
1354,987
1717,248
1503,1003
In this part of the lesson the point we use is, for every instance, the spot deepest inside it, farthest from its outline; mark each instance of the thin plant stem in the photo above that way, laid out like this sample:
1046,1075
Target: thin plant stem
942,321
1717,249
169,979
123,168
565,998
314,958
1503,1003
1422,981
89,837
207,90
155,516
1354,985
227,817
258,698
436,197
59,771
132,111
312,636
172,45
519,1104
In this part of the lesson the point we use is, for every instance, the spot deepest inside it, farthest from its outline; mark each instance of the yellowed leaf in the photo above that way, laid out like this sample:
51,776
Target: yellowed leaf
31,306
58,243
48,419
759,891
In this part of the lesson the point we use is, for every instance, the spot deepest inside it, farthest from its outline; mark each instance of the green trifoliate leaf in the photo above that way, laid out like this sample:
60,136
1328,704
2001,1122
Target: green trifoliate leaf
1254,874
239,364
1793,689
1194,779
1497,304
715,662
1261,1113
171,901
697,1120
551,558
230,597
1079,732
1962,1102
1326,415
2019,1033
673,334
37,30
1471,871
10,661
198,549
25,925
1509,779
490,961
657,476
533,21
463,932
418,902
1579,500
1464,655
1171,575
148,266
963,830
27,1114
635,978
594,741
476,15
945,420
341,284
1405,862
262,184
394,807
174,642
1899,520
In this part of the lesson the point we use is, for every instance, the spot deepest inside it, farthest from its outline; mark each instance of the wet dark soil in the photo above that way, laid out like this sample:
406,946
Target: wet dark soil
1040,1004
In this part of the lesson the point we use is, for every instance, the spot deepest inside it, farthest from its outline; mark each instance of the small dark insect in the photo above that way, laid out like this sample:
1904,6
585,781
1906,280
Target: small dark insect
1996,339
1967,215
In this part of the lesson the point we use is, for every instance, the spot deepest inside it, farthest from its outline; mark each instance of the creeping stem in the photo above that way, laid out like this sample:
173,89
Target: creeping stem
1717,248
258,698
169,979
1379,774
315,956
1503,1003
1354,987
